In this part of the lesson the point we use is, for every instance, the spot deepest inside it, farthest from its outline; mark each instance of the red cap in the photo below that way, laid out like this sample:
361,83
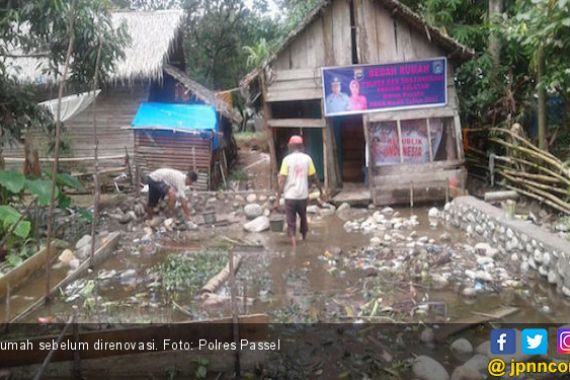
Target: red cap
296,140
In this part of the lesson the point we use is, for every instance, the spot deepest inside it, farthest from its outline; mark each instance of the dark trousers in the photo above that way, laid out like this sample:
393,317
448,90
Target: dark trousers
292,208
157,190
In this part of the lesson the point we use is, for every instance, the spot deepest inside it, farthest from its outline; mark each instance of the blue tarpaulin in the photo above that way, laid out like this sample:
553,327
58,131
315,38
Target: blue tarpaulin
177,118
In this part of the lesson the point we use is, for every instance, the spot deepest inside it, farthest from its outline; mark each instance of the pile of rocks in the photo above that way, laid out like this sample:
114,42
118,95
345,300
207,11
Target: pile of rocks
523,245
383,220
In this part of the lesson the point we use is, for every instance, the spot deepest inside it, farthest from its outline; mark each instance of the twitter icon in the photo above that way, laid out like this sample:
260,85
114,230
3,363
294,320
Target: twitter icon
534,341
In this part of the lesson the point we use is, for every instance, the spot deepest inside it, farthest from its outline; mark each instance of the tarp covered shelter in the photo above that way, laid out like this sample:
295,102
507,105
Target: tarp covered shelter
180,136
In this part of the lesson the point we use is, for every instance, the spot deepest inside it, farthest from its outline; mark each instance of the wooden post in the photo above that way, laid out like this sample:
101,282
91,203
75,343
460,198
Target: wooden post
332,164
97,189
400,140
235,320
368,152
194,158
269,134
458,136
412,194
7,307
428,125
56,149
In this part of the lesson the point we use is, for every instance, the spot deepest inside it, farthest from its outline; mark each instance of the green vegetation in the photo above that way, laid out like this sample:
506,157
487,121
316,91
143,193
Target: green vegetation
187,273
15,226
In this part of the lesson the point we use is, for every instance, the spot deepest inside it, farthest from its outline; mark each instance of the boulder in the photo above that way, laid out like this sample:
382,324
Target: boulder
85,240
425,368
251,198
484,348
259,224
465,373
433,212
66,256
252,210
387,211
478,363
344,206
427,336
462,347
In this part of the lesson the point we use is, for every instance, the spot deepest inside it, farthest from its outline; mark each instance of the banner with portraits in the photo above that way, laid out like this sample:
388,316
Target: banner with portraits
371,88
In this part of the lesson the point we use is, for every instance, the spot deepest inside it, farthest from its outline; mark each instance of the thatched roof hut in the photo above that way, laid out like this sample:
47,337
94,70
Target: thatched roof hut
153,35
156,39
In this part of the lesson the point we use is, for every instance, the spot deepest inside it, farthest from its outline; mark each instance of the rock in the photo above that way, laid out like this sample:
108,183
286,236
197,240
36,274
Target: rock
485,261
344,206
478,363
83,252
562,227
251,198
139,209
155,222
482,248
423,239
462,347
427,336
465,373
375,242
238,198
259,224
313,209
66,256
252,210
73,264
469,292
484,348
168,223
538,256
433,212
85,240
425,368
445,237
483,276
266,212
387,211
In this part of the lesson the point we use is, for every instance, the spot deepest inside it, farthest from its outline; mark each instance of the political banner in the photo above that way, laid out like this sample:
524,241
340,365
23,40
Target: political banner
385,145
371,88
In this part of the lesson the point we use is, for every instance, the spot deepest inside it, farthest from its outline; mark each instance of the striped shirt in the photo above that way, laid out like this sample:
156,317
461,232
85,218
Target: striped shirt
173,178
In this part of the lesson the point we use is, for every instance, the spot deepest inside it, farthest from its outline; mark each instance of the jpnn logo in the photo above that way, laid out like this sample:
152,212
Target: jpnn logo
534,341
504,341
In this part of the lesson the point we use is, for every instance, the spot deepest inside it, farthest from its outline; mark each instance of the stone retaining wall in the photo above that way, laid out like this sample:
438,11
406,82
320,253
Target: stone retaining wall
526,245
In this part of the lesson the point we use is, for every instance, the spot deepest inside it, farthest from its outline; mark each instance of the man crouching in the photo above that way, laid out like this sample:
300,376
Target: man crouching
170,183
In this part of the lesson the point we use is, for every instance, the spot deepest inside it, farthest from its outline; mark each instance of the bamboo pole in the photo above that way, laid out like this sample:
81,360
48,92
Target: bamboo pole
56,149
514,178
538,198
536,166
563,206
554,162
47,359
96,190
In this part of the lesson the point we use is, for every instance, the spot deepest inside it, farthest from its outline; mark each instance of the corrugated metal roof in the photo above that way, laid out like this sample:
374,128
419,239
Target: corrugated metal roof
175,117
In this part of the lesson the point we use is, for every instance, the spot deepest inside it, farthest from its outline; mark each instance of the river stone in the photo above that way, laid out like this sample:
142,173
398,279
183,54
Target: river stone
546,259
344,206
469,292
425,368
433,212
252,210
375,241
85,240
66,256
83,252
538,256
427,336
387,211
478,362
313,209
462,346
259,224
251,198
465,373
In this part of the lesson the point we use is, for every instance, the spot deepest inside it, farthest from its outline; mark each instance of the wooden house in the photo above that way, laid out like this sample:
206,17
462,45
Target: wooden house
156,39
193,132
369,38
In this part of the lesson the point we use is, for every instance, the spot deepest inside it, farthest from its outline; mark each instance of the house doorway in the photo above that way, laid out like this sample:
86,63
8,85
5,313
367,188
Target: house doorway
351,145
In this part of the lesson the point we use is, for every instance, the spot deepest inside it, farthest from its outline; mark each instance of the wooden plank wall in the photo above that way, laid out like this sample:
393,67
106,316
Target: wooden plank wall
296,72
116,108
383,38
159,149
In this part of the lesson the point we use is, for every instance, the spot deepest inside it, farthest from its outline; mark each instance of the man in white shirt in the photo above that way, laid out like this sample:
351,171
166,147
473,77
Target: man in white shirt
170,183
296,170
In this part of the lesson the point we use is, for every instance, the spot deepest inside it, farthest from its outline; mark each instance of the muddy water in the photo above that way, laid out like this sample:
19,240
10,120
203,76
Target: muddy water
289,285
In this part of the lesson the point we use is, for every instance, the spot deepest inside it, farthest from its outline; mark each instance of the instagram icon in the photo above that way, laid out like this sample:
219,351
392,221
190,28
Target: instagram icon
563,343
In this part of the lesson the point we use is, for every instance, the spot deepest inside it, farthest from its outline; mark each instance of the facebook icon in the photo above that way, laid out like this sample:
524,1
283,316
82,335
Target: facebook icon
503,341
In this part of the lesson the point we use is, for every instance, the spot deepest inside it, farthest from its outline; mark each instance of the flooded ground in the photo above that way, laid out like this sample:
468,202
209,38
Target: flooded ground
325,279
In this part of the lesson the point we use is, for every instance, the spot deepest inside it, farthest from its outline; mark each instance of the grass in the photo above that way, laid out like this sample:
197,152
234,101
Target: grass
238,175
247,136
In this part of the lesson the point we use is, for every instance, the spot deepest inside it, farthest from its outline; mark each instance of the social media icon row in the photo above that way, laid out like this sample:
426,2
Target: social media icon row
533,341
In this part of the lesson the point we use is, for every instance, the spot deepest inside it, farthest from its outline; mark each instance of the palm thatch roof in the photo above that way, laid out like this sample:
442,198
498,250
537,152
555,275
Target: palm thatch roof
207,96
455,50
152,38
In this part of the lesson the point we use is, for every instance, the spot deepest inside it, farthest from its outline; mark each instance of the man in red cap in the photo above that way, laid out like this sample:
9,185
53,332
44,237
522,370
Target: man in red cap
296,170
